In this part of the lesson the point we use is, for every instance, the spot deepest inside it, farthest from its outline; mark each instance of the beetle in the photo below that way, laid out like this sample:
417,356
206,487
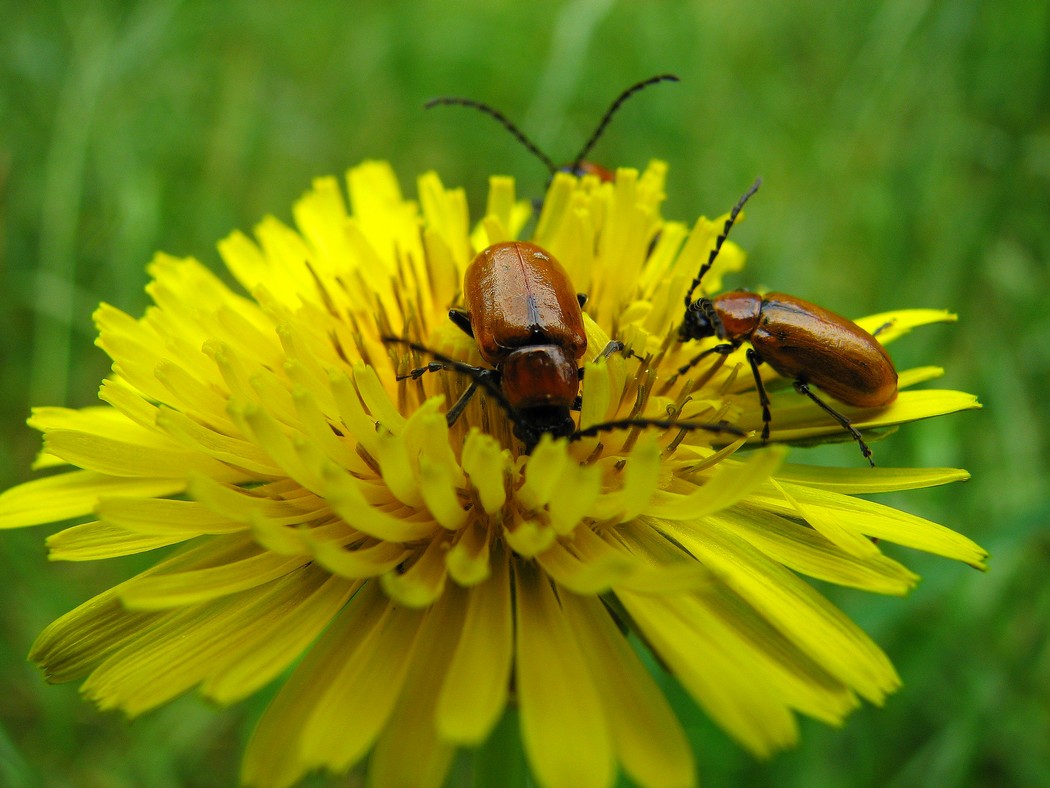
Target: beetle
802,341
579,165
520,308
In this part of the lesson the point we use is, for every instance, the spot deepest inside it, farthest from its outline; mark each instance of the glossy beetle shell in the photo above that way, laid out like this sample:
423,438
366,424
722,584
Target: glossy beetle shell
806,342
519,295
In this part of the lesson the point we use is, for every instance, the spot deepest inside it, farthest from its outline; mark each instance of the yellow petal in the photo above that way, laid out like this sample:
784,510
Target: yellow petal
181,649
796,610
243,258
719,671
529,537
469,559
563,724
132,458
483,461
831,528
445,213
567,510
730,485
66,495
346,499
70,646
199,585
94,541
420,584
437,486
593,576
556,211
273,633
899,322
240,453
281,750
854,481
475,685
412,724
640,476
660,567
648,739
543,470
803,550
361,562
795,418
359,692
164,517
878,521
501,200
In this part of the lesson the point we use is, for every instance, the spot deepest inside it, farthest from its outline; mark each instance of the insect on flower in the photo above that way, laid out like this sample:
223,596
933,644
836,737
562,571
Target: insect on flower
579,165
521,309
800,340
527,319
408,590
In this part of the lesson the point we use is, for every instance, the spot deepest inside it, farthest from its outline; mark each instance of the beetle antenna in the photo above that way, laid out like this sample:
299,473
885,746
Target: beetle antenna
492,112
721,239
626,424
612,111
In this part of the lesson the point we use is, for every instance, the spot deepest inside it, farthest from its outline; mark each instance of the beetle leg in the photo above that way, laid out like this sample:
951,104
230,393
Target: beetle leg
488,379
803,388
461,317
418,372
582,298
763,399
614,346
721,350
883,327
461,403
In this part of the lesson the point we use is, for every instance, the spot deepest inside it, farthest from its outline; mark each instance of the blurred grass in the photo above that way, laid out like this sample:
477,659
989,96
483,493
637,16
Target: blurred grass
905,148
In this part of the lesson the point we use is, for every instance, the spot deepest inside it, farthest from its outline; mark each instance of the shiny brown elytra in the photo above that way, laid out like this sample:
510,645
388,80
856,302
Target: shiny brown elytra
520,307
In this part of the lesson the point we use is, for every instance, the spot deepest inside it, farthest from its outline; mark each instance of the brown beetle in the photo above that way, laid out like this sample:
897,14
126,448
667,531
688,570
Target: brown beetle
800,340
521,309
523,312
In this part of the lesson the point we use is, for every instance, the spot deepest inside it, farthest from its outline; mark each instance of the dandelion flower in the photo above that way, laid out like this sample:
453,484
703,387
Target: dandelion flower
409,580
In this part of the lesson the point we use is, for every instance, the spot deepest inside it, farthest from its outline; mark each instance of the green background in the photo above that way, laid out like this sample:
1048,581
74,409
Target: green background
905,147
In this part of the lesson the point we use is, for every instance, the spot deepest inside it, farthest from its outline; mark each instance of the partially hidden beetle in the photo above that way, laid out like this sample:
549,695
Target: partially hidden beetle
801,341
579,165
520,308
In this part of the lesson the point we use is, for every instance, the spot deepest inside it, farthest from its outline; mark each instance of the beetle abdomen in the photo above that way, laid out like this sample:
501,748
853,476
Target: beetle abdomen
806,342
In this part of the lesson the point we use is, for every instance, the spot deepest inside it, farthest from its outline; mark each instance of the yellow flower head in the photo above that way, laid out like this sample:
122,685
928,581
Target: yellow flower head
421,576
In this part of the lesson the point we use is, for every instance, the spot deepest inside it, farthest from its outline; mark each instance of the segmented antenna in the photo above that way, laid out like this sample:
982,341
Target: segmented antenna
612,111
519,135
665,424
721,239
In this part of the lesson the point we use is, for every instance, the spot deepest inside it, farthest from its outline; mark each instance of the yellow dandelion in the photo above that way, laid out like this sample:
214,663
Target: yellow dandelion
409,579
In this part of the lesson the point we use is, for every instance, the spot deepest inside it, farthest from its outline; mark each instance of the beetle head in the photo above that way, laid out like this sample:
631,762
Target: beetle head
698,322
532,424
